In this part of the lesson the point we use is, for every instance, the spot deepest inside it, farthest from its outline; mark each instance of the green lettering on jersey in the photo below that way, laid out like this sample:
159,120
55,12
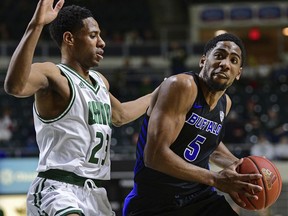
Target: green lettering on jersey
99,113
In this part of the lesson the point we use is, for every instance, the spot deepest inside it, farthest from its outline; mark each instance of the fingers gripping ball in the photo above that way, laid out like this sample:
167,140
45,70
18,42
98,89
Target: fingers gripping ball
271,181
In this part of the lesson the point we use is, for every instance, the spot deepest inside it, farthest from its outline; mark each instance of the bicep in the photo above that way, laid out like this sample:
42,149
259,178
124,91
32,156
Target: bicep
163,129
166,121
167,118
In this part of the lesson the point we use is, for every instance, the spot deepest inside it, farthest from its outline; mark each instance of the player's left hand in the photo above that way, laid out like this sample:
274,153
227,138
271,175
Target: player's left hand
233,183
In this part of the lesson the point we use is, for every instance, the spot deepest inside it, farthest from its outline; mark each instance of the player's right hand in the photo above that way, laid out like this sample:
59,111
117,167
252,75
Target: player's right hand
45,12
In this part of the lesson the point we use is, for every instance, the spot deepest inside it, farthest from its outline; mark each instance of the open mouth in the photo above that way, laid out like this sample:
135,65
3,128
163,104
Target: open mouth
100,51
220,75
100,57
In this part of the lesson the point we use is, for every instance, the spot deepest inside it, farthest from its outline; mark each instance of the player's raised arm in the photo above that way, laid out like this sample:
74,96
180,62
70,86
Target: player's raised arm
21,79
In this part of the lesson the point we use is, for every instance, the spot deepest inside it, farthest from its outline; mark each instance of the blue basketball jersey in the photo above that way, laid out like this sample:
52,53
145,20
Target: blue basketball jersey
199,137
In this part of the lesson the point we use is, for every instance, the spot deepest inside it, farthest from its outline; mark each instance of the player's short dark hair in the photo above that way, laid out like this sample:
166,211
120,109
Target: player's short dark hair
226,37
69,18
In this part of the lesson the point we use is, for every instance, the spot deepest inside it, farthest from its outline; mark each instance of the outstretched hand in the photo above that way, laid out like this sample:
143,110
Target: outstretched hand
233,183
45,12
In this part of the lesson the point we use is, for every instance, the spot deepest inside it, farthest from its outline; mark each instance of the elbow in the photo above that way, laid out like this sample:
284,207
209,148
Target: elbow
118,119
150,161
117,123
12,89
156,155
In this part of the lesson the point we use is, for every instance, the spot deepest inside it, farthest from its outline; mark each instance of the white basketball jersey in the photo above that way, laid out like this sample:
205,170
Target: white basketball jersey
78,140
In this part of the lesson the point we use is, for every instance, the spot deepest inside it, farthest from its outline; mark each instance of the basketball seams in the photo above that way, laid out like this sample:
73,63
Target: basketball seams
262,182
270,173
279,182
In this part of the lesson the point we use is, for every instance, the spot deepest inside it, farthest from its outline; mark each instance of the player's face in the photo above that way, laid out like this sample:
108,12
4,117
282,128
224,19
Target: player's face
88,46
221,66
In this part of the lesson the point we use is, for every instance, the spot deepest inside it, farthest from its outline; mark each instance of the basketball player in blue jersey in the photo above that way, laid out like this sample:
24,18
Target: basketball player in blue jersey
181,133
73,112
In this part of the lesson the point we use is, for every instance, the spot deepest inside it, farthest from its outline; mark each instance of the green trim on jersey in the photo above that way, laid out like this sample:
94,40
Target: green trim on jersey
69,210
69,106
94,88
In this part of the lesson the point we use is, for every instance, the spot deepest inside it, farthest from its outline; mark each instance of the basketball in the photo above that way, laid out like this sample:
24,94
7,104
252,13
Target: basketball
271,181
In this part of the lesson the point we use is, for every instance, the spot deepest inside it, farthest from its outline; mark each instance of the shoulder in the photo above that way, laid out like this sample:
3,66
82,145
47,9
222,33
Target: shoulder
178,91
180,83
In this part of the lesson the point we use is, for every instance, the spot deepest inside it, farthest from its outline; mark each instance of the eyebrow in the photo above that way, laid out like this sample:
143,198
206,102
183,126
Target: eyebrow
95,32
224,50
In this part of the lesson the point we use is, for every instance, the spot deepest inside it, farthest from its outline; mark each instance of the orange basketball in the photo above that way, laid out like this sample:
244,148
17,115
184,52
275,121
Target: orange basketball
271,181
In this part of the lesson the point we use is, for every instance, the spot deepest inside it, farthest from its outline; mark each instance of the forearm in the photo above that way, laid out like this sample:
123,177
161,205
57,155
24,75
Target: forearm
123,113
135,109
222,157
171,164
159,156
21,60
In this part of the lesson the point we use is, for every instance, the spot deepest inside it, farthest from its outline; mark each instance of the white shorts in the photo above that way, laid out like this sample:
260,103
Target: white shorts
54,198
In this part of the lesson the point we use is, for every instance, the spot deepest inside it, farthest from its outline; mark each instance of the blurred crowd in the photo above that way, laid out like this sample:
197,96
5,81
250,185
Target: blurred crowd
14,19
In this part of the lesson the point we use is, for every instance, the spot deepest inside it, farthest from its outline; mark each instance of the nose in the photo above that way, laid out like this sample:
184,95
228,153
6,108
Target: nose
101,42
225,63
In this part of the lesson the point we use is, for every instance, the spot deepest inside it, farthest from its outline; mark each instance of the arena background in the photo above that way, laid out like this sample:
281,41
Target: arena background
146,41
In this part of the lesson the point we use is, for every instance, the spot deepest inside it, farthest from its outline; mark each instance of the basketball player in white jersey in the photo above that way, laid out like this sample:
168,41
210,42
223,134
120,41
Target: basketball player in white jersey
73,112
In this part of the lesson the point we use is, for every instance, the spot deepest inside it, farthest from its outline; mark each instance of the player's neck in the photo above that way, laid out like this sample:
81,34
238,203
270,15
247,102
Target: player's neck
211,97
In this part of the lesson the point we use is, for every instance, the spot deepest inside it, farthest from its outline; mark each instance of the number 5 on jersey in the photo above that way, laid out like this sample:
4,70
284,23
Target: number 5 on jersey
192,150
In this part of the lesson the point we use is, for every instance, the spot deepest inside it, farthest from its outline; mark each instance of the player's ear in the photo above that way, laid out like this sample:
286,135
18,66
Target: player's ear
202,61
68,38
239,73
